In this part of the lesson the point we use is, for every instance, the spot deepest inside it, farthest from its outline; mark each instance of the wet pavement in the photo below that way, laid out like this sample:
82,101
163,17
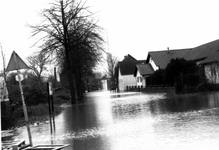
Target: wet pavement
134,121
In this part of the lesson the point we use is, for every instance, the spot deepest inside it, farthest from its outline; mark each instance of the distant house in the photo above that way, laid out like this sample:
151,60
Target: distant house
207,55
93,83
142,72
90,83
126,69
104,83
160,59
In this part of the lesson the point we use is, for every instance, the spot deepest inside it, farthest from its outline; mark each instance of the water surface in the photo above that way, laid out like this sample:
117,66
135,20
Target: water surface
134,121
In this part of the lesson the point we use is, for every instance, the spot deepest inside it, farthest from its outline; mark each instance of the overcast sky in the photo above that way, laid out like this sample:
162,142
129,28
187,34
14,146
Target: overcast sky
131,27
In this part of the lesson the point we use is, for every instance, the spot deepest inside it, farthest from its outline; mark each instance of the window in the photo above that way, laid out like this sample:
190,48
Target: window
140,79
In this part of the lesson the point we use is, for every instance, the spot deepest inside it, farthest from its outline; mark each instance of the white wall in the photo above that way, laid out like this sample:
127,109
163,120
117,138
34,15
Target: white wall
104,84
154,66
212,73
142,82
126,80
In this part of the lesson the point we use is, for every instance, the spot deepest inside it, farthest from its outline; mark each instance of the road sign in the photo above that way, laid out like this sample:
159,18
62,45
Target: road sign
21,77
16,63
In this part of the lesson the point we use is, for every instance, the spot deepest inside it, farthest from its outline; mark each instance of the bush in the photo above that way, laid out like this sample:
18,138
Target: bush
185,75
158,77
14,95
36,113
61,96
34,95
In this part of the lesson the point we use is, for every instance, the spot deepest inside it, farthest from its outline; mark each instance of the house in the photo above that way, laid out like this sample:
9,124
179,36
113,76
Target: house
90,83
207,55
142,72
125,74
160,59
104,83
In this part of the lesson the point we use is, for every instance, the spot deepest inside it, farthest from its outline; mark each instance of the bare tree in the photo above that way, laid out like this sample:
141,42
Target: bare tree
111,65
37,63
4,62
72,34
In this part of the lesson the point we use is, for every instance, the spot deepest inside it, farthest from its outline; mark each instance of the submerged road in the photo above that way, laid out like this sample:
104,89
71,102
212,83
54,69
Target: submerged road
134,121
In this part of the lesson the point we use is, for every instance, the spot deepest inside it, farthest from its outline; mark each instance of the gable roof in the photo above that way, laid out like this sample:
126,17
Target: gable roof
144,69
210,59
129,58
162,58
207,51
128,64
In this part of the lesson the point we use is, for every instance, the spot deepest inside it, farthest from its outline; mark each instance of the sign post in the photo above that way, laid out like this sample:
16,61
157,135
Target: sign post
17,63
51,106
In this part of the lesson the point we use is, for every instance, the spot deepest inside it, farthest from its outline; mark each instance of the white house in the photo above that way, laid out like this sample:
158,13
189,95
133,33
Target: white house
104,83
126,69
126,80
142,71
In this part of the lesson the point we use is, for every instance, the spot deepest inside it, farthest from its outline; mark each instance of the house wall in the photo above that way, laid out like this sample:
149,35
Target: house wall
104,85
140,80
212,72
154,66
126,80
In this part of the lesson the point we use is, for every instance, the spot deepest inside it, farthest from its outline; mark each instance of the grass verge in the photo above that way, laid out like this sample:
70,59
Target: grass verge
36,113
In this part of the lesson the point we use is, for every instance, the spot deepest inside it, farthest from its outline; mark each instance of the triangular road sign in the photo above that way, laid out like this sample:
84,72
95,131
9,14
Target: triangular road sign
16,63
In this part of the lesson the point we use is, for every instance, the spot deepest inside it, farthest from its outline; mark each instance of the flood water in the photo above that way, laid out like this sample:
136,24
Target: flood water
134,121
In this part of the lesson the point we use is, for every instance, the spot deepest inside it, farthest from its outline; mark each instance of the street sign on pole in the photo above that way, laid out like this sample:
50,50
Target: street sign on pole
17,63
21,77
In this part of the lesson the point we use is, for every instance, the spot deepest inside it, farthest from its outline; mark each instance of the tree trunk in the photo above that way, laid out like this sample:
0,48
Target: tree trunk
72,87
69,66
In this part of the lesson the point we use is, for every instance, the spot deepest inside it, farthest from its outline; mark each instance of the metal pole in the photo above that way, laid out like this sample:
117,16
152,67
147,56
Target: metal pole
24,105
53,115
49,102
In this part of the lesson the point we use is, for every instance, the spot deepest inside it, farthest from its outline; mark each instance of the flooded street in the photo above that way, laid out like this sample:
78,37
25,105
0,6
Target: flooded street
134,121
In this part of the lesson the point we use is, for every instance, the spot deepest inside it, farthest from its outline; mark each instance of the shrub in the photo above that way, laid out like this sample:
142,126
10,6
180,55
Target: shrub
34,95
183,74
158,78
36,113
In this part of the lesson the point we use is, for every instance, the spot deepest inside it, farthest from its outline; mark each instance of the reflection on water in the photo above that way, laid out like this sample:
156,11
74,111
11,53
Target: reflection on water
135,121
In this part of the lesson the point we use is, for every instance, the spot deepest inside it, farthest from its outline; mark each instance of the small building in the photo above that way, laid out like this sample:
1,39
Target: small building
126,69
93,84
207,56
104,83
142,72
